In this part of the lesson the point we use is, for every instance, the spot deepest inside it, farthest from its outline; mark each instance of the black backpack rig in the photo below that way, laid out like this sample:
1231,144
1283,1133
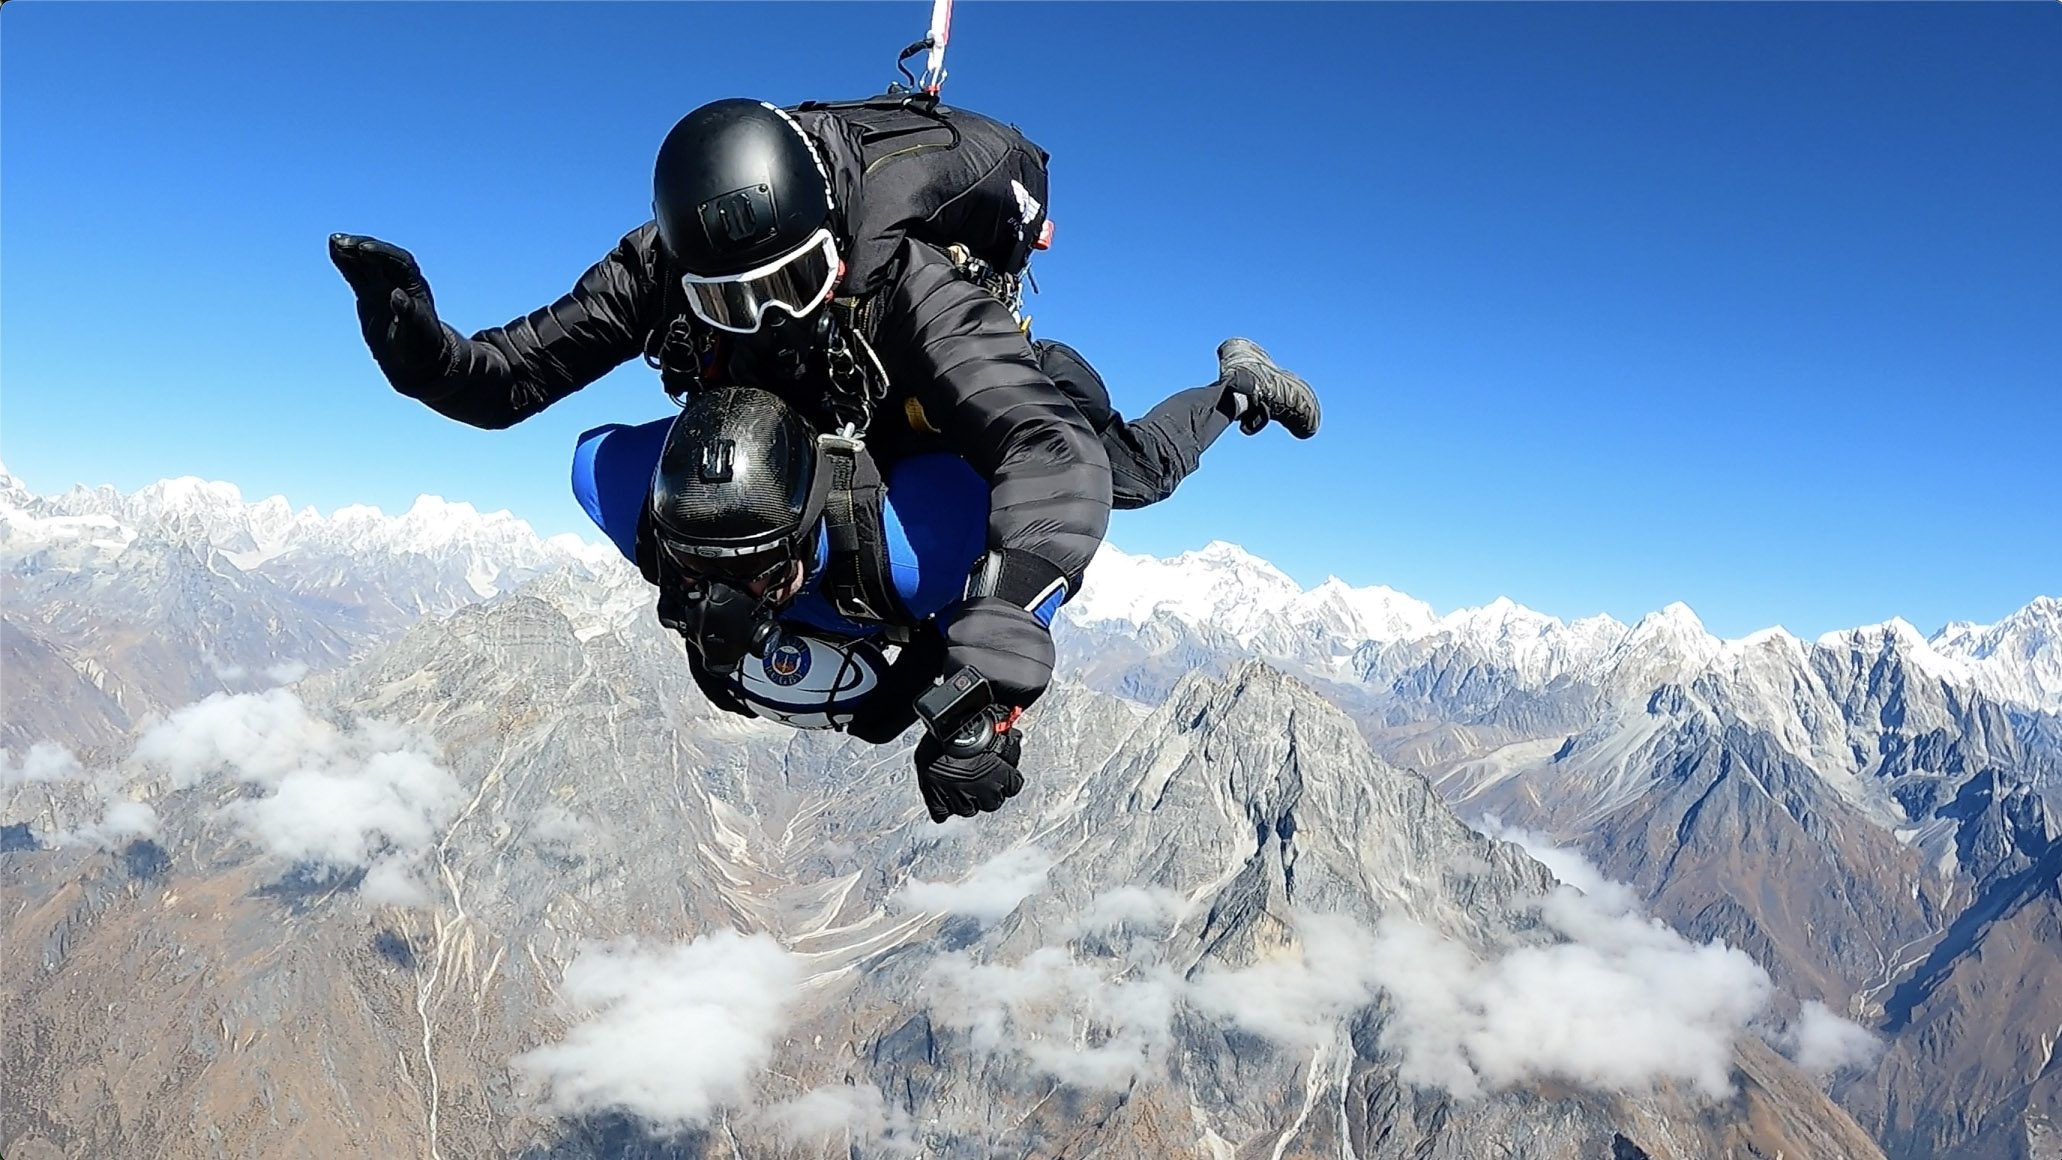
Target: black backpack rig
903,164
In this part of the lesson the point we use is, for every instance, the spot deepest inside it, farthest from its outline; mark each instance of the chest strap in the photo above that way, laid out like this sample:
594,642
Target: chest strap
856,576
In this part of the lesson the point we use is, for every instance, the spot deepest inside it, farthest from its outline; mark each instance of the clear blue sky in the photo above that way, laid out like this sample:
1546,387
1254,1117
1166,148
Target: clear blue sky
1757,307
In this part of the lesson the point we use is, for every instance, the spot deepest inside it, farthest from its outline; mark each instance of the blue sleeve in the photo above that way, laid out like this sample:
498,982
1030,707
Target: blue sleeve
936,517
612,477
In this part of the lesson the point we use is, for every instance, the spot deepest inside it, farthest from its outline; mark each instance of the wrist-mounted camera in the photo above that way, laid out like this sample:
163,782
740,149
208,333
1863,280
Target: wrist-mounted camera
961,712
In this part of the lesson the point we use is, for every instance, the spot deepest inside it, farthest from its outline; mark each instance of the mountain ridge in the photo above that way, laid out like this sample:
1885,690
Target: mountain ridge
1135,959
1908,805
1220,588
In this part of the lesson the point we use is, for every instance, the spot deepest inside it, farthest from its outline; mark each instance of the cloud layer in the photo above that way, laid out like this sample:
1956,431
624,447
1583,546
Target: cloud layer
1622,1006
848,1114
45,761
1822,1043
1086,1021
66,804
669,1034
370,798
989,893
1620,1003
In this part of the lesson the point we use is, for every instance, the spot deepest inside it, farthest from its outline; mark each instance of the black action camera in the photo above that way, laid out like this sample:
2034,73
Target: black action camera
949,707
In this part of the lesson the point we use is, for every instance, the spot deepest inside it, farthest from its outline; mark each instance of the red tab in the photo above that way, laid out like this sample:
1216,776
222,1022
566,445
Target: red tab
1009,722
1044,241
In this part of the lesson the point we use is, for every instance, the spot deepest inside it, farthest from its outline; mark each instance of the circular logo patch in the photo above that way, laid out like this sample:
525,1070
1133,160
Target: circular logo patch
787,662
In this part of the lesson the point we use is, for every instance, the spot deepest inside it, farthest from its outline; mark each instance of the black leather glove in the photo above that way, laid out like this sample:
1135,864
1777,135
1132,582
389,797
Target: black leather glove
396,312
967,783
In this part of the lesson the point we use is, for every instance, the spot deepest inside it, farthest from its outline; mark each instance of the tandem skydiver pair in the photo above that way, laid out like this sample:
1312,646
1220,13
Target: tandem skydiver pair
873,457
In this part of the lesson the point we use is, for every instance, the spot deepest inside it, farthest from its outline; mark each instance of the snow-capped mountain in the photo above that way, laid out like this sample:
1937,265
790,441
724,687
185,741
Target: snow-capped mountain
551,905
2018,659
1223,592
1877,814
489,552
450,554
119,606
1242,596
1870,814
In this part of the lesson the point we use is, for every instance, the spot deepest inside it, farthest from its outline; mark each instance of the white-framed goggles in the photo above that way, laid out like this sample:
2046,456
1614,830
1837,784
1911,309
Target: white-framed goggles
797,282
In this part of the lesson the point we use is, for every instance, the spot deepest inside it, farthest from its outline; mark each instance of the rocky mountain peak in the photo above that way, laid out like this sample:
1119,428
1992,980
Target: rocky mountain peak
1223,927
2017,659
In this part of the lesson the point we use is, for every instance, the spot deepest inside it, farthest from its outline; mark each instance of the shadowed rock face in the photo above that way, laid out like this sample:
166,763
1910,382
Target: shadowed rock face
1872,828
1130,960
1896,843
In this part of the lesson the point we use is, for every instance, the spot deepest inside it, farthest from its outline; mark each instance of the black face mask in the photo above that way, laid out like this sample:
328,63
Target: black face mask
721,622
784,352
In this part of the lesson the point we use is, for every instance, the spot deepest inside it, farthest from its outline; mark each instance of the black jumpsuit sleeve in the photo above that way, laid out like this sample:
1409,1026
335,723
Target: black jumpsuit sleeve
507,374
957,350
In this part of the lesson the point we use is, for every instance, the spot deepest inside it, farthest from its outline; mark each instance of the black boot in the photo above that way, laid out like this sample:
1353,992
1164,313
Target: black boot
1272,392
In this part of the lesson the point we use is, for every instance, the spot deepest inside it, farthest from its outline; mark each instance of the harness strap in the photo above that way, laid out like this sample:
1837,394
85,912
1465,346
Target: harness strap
856,576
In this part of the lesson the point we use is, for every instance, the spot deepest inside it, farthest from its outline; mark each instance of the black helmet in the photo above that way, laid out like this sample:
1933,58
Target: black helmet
736,499
738,488
743,205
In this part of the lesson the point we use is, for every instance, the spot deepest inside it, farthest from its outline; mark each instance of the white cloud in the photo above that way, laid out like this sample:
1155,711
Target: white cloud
1144,909
560,830
1086,1023
1821,1043
259,737
77,806
1567,864
381,815
844,1114
370,798
120,823
286,672
668,1034
46,761
1299,996
1623,1005
989,893
1088,1020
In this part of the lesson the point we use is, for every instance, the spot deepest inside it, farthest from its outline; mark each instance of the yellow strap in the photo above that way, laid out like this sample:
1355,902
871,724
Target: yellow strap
918,421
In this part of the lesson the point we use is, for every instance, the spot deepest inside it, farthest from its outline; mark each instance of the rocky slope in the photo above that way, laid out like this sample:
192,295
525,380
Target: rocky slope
1868,815
1872,815
501,890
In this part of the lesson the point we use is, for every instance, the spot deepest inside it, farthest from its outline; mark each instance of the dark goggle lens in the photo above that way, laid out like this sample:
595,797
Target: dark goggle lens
740,571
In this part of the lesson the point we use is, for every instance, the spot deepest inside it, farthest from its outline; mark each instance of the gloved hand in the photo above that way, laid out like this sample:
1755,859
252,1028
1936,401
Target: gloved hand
1005,644
396,312
968,783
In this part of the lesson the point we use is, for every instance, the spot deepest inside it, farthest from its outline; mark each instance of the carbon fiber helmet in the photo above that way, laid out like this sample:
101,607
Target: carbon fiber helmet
738,489
737,185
